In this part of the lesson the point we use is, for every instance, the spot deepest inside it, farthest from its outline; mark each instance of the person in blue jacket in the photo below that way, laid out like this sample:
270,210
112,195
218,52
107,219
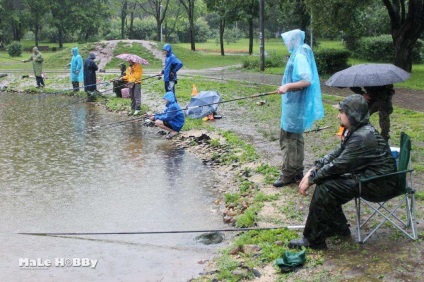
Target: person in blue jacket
77,71
172,119
301,105
171,66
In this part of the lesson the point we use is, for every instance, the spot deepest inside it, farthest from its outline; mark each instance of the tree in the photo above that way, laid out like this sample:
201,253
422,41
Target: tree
63,17
407,25
156,8
250,10
406,22
37,13
227,12
90,16
189,7
14,17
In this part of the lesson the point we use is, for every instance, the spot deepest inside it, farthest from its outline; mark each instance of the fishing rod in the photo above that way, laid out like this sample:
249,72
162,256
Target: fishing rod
292,227
193,107
318,128
231,100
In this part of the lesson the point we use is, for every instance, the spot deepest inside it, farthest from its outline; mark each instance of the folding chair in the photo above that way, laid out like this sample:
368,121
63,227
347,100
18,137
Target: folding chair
380,211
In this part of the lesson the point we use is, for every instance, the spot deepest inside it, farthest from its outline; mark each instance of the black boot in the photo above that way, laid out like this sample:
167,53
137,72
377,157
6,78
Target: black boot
299,243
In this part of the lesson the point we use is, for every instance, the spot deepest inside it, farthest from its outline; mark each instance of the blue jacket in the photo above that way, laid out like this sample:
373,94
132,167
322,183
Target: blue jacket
77,64
172,64
173,113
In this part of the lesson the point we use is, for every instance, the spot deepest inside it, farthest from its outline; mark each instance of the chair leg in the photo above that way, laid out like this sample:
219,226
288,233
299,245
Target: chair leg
358,218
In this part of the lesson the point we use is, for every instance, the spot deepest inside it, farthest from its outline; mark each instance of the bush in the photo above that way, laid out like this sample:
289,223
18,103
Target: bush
272,60
331,60
14,49
380,49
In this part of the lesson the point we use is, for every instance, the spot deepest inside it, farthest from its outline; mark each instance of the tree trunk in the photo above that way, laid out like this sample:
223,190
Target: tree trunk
123,17
36,31
221,35
403,53
131,28
158,24
250,36
192,36
60,38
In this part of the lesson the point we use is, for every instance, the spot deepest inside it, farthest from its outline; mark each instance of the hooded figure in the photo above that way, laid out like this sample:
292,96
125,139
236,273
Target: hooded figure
300,108
37,64
171,66
172,119
301,105
77,72
362,153
90,68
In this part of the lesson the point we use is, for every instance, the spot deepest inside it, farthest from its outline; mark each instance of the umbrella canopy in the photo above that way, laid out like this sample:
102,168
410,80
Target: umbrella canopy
133,58
200,105
368,75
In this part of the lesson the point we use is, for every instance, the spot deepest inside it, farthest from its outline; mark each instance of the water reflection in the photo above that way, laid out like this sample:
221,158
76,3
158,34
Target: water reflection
57,174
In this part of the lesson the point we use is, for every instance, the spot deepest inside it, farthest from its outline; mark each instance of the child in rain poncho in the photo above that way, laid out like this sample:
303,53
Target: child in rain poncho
172,119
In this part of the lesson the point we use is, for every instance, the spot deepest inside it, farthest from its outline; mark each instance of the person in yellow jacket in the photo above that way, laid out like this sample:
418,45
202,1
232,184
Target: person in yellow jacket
133,78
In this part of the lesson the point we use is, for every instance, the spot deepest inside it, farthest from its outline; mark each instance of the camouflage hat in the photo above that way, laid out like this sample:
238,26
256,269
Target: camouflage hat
355,107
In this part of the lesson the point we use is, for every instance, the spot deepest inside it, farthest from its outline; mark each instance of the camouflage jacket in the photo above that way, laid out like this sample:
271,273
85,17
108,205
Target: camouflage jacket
362,153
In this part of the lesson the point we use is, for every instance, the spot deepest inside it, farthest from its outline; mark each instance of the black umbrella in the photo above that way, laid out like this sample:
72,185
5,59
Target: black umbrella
368,75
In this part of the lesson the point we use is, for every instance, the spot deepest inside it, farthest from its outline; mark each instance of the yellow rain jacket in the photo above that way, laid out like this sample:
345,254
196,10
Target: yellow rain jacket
133,74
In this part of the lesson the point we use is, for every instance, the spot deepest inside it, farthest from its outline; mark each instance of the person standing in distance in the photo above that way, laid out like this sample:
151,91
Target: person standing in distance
133,78
76,72
171,66
90,80
37,64
301,105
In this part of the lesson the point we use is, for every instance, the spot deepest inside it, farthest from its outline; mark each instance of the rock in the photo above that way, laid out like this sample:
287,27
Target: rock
227,219
251,249
236,250
239,272
210,238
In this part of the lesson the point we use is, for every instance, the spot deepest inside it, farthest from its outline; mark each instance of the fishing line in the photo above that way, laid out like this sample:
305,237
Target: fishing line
11,59
291,227
193,107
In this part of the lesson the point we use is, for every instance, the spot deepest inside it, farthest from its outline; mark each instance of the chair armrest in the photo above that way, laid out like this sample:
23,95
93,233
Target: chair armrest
363,180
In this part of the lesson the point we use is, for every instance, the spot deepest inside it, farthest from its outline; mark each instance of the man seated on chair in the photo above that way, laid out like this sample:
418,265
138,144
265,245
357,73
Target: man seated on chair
362,153
172,119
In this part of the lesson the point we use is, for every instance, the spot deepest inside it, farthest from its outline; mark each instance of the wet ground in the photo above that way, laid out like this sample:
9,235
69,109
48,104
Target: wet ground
63,170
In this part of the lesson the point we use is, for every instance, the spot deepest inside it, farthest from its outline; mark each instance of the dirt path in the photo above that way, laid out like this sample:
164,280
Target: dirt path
104,50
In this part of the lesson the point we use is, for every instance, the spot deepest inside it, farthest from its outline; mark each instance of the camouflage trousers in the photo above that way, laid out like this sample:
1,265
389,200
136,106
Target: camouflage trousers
384,108
325,210
292,146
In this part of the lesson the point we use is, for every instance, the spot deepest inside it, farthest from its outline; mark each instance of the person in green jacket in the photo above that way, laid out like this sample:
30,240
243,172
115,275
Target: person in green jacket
363,153
37,63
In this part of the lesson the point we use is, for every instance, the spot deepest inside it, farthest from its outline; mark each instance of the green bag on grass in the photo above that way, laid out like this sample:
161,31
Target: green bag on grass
291,261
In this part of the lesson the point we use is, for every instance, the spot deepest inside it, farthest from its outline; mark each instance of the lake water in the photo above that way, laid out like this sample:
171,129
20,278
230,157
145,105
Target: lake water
67,166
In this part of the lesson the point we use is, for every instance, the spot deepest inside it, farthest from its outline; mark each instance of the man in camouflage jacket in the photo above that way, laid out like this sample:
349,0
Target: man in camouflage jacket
362,153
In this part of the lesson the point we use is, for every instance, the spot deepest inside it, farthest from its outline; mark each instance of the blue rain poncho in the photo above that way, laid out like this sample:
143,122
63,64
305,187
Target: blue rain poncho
77,64
302,107
173,113
172,64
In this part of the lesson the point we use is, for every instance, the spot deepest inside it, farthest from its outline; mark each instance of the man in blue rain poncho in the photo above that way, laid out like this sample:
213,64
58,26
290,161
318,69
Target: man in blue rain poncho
301,105
172,119
170,68
77,71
